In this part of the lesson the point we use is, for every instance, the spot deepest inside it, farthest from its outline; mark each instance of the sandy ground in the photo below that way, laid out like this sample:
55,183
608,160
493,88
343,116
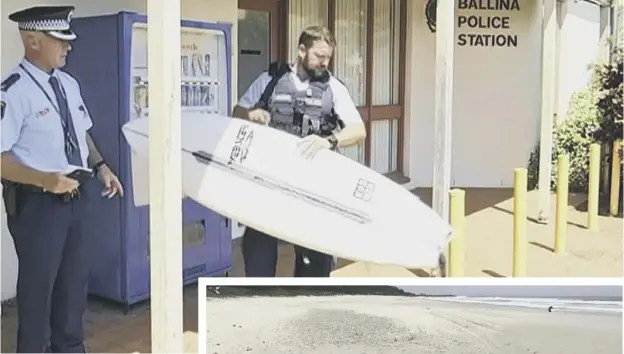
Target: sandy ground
376,324
489,240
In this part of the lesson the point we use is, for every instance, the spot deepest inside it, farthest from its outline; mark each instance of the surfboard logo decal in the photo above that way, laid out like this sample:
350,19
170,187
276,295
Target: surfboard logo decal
241,144
364,190
358,216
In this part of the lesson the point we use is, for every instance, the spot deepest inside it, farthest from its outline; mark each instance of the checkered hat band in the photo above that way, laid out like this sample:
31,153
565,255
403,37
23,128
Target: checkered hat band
44,25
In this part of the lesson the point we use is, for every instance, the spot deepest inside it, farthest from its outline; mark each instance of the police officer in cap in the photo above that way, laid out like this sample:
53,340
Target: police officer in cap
45,137
303,99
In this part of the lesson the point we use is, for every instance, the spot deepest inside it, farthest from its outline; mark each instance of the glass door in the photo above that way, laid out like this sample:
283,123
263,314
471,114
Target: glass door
257,39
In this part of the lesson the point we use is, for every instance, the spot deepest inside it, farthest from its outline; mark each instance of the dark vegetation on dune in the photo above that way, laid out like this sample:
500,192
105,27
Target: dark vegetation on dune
276,291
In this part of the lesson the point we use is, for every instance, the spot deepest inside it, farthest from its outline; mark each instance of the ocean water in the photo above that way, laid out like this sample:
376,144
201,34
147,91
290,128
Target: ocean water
558,304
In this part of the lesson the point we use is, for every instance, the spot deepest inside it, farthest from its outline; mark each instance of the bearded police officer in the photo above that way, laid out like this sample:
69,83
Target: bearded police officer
303,99
45,138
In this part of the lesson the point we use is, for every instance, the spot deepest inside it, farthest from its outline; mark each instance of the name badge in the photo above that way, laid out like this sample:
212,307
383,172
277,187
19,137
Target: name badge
42,112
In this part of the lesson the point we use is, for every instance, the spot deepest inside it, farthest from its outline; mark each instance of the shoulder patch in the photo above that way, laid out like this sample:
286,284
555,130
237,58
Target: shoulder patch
10,81
3,109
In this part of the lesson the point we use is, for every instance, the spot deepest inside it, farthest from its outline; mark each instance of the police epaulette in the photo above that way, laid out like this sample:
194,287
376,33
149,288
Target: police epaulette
9,81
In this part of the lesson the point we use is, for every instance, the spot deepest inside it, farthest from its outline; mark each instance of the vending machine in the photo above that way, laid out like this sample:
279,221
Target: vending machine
109,60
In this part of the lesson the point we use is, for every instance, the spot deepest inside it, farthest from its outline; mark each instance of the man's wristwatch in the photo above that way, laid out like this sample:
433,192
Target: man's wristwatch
97,166
333,141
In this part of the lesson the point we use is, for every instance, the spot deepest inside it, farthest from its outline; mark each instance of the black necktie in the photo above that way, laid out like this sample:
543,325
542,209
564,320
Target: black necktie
72,149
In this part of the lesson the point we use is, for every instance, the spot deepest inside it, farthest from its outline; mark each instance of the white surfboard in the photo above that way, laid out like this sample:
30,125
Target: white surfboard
256,175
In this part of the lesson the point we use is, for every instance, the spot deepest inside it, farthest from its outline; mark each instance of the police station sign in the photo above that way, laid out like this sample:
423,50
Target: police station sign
481,23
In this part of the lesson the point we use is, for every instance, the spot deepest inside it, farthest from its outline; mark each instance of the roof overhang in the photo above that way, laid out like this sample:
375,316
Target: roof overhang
602,3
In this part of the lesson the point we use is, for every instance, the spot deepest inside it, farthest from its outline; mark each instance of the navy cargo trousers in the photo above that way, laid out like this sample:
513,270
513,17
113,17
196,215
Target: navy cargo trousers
51,245
260,255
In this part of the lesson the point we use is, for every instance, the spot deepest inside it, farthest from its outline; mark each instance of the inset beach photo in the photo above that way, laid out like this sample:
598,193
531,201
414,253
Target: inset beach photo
514,319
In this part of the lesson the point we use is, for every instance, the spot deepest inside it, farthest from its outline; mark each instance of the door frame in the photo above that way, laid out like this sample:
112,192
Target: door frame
275,21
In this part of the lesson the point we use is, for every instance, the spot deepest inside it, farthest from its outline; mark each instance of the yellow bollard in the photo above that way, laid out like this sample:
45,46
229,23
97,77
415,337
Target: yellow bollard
520,222
594,187
457,246
561,221
616,174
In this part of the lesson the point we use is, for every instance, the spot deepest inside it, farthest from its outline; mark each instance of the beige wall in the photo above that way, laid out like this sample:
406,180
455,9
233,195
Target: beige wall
580,44
12,52
496,109
496,105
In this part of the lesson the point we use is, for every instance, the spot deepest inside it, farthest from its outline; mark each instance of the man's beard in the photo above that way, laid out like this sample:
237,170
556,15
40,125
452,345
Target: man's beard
314,73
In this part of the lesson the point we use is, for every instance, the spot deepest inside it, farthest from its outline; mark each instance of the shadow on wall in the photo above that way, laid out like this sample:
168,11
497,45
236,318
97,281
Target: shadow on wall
478,199
584,10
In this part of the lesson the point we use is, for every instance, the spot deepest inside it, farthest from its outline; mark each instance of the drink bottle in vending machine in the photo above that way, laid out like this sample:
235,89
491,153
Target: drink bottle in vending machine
183,94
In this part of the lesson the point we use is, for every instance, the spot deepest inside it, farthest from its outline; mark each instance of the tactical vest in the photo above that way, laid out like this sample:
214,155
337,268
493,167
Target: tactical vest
299,112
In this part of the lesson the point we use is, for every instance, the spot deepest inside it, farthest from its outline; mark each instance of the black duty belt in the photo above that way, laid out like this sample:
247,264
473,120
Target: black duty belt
65,197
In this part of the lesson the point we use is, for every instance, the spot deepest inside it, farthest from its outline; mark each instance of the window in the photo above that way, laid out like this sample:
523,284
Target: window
301,14
370,59
349,63
383,130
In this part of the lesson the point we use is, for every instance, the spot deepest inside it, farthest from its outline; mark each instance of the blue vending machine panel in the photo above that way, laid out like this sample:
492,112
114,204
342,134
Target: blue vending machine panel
109,60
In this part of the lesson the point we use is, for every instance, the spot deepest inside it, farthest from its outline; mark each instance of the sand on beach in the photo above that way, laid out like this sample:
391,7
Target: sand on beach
386,324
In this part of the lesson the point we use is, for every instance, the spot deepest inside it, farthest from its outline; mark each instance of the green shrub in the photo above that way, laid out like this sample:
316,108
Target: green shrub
574,137
595,115
609,103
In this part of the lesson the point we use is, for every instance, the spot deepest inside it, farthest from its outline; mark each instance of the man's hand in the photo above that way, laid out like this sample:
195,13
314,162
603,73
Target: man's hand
259,116
58,184
111,183
312,144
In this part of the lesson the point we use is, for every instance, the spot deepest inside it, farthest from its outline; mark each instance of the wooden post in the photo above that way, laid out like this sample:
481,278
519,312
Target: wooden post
618,18
616,174
561,216
593,194
445,52
604,50
165,181
457,247
1,306
520,223
549,63
559,113
607,27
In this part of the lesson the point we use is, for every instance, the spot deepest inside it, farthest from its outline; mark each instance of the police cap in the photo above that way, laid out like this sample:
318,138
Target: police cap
53,20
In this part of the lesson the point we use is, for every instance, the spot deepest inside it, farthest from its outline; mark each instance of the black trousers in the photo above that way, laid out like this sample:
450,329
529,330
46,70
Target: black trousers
260,256
51,245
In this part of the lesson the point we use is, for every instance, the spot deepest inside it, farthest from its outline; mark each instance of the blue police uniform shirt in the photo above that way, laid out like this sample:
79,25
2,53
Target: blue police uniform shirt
343,104
31,126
